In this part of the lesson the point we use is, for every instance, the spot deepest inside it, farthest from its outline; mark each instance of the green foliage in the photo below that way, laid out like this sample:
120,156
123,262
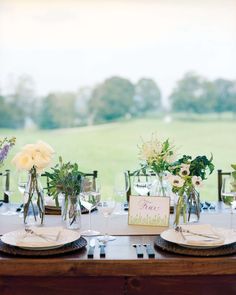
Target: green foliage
147,96
58,110
64,178
196,94
112,99
198,166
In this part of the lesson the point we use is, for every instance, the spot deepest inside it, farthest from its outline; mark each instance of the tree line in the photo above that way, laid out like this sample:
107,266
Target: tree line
114,99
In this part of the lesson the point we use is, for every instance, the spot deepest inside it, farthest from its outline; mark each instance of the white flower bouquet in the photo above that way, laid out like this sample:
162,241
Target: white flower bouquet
33,158
186,178
157,156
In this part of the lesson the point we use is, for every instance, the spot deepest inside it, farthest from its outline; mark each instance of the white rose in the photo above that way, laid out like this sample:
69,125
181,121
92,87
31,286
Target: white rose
23,161
44,148
41,161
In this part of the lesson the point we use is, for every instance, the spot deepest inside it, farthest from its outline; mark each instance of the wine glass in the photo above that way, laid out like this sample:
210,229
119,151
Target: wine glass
106,207
22,182
89,198
8,207
142,184
228,196
121,187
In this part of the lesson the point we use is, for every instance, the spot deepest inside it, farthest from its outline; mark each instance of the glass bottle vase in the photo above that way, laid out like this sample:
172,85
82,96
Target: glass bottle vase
160,186
33,210
187,207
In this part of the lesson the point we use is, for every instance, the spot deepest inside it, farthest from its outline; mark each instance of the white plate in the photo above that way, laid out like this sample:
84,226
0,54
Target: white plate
227,237
24,240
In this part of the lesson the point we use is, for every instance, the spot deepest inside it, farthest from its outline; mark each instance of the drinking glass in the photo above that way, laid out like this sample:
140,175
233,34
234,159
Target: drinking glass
22,182
228,196
106,207
9,208
89,198
121,187
142,184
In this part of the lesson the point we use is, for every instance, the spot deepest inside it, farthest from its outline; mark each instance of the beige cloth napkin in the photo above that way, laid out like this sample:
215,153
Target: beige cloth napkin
191,237
39,237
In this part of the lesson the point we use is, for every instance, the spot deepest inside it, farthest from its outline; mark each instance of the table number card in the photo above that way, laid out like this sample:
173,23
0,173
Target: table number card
153,211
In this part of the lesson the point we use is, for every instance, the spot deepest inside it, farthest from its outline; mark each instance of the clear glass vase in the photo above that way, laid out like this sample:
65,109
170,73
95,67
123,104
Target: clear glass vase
161,186
193,205
33,212
187,207
73,212
180,209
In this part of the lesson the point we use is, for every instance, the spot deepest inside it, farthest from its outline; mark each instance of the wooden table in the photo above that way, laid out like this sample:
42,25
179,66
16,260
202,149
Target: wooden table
121,272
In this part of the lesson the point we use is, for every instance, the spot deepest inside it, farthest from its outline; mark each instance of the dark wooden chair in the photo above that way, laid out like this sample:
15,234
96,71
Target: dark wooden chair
6,185
128,179
220,175
92,175
48,210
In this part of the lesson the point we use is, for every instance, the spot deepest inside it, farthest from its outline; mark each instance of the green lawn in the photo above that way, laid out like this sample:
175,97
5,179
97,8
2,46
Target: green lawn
113,147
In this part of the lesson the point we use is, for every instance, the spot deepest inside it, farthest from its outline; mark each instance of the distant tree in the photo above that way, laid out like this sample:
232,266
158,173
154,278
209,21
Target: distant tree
112,99
193,94
83,96
5,114
24,99
147,96
225,96
58,110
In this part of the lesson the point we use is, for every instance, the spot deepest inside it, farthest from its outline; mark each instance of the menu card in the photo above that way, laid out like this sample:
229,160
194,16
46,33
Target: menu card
152,211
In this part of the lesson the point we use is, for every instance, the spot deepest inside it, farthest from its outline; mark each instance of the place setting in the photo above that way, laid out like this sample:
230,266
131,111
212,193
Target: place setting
198,240
41,241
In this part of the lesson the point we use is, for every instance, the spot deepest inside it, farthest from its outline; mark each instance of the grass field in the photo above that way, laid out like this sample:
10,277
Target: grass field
113,148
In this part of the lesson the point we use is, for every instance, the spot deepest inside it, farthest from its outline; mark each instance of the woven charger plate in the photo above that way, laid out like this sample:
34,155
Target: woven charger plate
71,247
175,248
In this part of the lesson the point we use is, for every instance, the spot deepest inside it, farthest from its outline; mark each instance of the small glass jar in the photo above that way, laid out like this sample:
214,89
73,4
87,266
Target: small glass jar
73,213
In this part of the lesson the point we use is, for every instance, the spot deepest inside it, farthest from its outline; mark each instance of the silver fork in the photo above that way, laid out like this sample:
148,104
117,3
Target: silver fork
181,231
48,239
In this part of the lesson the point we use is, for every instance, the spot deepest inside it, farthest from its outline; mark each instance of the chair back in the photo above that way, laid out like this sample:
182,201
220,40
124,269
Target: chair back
220,175
5,185
128,180
93,175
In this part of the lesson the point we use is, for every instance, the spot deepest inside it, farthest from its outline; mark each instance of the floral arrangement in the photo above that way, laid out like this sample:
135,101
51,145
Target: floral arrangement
157,156
186,177
5,145
34,158
65,179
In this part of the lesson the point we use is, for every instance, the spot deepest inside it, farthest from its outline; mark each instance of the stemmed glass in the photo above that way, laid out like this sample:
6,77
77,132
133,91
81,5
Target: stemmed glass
121,187
142,184
106,207
22,183
8,208
228,196
89,198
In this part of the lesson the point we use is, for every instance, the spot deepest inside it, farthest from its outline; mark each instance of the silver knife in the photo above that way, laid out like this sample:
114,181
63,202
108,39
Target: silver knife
92,244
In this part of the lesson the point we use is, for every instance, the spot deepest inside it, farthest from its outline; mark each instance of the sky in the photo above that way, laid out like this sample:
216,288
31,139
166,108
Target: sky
65,45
